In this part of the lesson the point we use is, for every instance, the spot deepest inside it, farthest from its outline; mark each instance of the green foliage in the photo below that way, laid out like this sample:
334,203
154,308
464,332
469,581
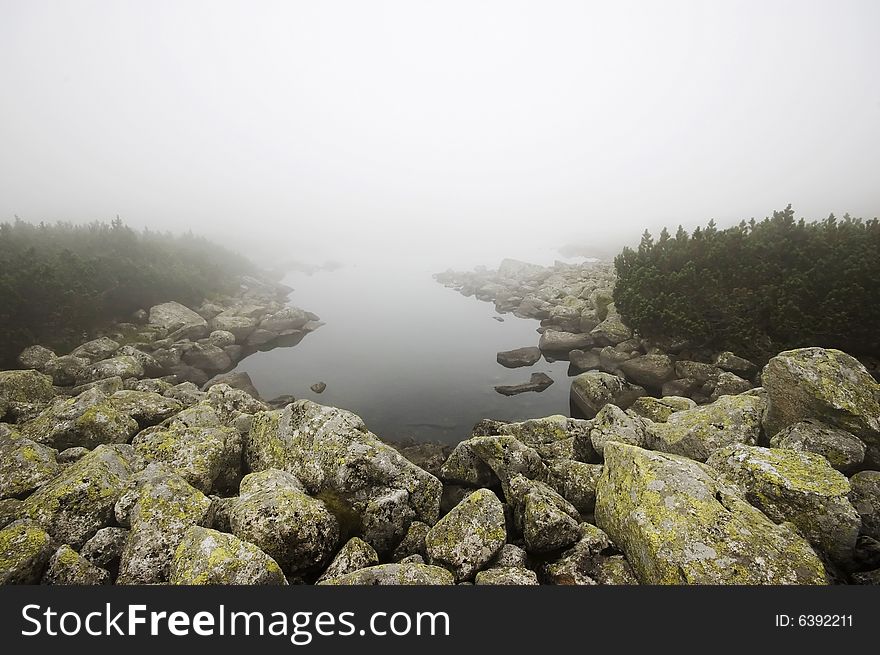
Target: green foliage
759,287
60,281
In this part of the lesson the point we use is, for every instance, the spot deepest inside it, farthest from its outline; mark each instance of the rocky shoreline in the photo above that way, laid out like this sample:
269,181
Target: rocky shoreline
124,467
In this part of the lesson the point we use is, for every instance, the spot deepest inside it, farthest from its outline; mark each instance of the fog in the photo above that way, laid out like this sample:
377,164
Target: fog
459,130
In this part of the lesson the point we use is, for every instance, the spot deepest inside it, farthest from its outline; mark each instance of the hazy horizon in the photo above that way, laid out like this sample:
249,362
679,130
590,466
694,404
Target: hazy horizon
329,130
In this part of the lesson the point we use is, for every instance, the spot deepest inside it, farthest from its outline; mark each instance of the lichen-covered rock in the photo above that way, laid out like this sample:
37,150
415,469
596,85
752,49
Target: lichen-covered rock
413,543
729,384
198,454
230,403
464,467
159,506
548,521
25,549
65,370
35,357
144,407
24,466
844,451
174,317
649,371
613,424
551,436
798,487
96,350
395,574
677,523
555,341
578,564
334,455
87,420
355,554
469,536
576,482
508,457
186,392
74,505
698,373
611,331
10,510
25,387
122,366
510,555
107,386
68,567
613,570
207,357
865,497
592,390
696,433
296,530
151,366
237,380
823,384
105,548
660,409
208,557
727,361
506,575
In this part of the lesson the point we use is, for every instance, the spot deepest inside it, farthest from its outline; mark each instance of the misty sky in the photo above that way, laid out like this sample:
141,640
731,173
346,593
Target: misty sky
320,128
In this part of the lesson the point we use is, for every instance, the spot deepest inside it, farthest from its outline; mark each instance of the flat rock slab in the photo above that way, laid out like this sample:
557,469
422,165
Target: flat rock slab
538,382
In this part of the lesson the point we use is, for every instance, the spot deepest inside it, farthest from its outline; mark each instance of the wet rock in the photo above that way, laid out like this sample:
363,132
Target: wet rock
67,567
208,557
696,433
843,451
25,549
354,555
469,536
798,487
24,466
592,390
519,357
395,574
538,382
554,341
865,497
678,524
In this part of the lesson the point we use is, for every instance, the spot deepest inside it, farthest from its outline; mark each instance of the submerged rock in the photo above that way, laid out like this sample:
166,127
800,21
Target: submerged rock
318,387
678,524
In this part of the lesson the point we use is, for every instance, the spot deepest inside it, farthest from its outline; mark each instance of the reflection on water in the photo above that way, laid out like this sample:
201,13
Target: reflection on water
411,357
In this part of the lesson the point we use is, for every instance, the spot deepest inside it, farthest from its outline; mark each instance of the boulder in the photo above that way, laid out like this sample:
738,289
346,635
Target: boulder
613,424
159,506
578,564
35,357
552,436
797,487
510,555
696,433
152,368
207,358
650,371
865,497
65,370
107,386
96,350
506,575
508,457
467,538
464,467
24,466
554,341
413,543
827,385
318,387
173,318
25,387
74,505
581,361
659,410
611,331
395,574
68,567
538,382
334,455
25,549
727,361
144,407
592,390
122,366
355,554
729,384
208,557
547,521
235,379
240,327
276,515
677,523
221,338
519,357
285,320
843,451
104,550
576,482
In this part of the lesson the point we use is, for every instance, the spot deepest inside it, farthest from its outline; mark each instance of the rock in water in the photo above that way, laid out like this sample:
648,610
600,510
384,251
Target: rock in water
538,382
592,390
318,387
208,557
469,536
519,357
678,524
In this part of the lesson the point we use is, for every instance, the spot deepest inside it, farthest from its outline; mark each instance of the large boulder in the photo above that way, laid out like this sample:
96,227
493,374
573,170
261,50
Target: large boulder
547,521
592,390
74,505
844,451
650,371
122,366
275,514
24,466
508,457
25,549
696,433
177,320
208,557
797,487
677,523
827,385
467,538
25,387
152,368
159,506
35,357
865,497
68,567
334,455
96,350
395,574
554,341
613,424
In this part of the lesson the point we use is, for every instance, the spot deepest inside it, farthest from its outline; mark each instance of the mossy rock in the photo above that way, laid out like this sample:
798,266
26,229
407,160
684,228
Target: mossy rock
122,366
696,433
10,510
464,467
469,536
592,390
96,349
578,564
797,487
355,554
613,424
677,523
575,481
865,497
844,451
74,505
547,521
25,466
209,557
551,436
659,410
68,567
25,549
395,575
27,386
506,576
413,543
147,408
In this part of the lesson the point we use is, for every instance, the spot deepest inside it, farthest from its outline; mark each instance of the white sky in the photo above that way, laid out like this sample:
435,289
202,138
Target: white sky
319,128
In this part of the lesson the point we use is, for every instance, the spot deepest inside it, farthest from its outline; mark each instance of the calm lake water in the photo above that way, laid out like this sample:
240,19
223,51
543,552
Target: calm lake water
411,357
